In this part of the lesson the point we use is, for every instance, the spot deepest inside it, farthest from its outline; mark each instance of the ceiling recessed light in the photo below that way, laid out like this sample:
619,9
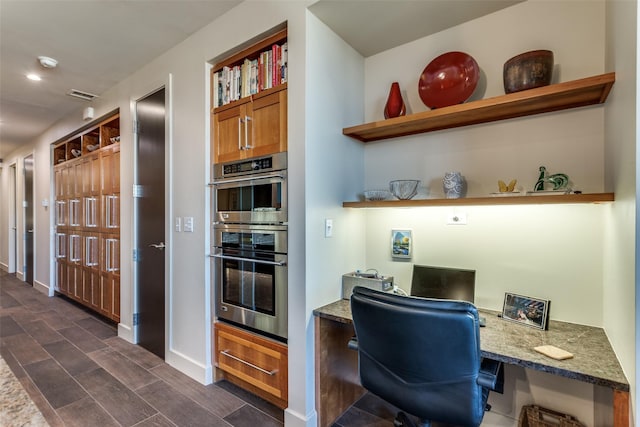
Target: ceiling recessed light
34,77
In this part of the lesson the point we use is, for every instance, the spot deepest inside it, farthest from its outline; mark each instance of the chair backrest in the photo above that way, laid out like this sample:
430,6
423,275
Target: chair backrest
422,355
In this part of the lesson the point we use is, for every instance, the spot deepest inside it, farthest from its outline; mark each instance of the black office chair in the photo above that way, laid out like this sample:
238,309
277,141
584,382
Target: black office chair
423,356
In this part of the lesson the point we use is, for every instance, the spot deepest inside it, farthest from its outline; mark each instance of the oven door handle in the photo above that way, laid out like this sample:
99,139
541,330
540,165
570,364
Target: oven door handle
257,261
249,178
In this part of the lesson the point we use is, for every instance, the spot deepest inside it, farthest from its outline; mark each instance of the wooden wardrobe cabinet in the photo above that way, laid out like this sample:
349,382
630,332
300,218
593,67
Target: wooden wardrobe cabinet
87,217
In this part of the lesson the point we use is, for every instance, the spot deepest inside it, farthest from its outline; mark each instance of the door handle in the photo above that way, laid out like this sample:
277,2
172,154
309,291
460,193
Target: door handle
160,245
30,231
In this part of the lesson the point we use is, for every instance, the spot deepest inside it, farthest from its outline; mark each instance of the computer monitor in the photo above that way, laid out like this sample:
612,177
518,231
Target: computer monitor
443,283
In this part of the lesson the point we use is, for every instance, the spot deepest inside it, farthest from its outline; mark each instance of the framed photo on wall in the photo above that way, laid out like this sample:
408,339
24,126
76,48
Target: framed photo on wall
401,244
525,310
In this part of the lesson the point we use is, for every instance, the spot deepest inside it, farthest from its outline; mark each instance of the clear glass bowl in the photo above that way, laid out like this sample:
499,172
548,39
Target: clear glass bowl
371,195
404,189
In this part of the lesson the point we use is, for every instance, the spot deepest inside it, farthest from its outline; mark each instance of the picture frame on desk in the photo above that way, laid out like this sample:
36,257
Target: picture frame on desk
526,310
401,244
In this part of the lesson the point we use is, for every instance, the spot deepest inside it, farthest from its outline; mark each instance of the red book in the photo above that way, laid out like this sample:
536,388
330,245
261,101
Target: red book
260,74
274,65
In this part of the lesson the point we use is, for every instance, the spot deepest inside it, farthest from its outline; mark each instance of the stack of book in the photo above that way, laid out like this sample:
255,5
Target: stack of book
268,70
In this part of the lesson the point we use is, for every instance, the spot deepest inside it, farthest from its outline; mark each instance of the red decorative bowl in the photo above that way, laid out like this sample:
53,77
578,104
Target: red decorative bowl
449,79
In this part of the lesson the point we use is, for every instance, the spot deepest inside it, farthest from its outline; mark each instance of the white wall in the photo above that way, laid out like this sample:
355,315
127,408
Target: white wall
620,297
334,169
536,250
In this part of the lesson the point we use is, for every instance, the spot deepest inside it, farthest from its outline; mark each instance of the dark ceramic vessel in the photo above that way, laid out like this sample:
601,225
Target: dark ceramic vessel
528,70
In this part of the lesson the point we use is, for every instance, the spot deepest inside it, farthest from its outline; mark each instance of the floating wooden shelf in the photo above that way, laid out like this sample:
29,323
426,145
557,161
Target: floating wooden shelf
561,96
485,201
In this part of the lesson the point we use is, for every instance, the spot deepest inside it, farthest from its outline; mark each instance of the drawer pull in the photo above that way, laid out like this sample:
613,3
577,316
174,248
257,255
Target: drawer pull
226,353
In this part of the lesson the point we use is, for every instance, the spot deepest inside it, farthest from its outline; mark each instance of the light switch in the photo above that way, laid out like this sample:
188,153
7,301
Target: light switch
178,224
328,227
188,224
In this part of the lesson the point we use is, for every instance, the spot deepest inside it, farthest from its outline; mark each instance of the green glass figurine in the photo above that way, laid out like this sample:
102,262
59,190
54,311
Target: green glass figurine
560,181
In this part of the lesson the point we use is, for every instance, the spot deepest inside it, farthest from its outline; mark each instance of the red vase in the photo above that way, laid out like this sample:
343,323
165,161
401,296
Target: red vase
395,105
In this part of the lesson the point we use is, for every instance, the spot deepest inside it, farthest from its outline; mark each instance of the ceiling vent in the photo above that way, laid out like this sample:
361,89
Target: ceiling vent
82,95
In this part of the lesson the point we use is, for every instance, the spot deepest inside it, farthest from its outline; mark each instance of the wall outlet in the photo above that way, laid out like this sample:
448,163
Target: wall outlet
457,218
188,224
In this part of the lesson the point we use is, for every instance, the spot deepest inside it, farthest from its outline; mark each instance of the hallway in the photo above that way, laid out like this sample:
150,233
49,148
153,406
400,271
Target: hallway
79,373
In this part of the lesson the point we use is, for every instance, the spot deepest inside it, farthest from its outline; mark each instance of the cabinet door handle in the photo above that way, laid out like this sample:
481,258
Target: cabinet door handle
111,256
228,354
247,119
240,134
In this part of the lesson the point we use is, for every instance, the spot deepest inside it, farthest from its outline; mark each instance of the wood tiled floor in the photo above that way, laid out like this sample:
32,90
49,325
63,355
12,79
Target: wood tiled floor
79,373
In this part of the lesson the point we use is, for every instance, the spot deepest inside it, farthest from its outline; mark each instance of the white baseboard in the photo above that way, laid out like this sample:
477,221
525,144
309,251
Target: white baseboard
199,372
20,275
125,332
294,419
41,287
4,267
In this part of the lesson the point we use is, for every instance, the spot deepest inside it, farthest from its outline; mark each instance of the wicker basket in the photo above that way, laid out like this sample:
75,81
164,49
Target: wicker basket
536,416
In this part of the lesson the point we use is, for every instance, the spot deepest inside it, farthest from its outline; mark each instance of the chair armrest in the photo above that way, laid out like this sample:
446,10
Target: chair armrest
491,375
353,344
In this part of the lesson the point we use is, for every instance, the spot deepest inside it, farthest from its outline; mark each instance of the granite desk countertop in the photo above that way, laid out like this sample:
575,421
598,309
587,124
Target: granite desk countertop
593,358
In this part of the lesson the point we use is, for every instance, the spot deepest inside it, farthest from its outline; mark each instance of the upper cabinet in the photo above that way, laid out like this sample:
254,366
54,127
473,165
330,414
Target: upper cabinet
250,127
92,139
561,96
249,101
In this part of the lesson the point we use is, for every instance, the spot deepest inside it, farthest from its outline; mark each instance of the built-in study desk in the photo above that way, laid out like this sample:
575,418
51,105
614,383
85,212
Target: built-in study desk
338,387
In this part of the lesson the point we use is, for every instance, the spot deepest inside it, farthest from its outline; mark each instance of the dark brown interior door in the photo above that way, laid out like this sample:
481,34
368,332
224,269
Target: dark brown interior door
150,112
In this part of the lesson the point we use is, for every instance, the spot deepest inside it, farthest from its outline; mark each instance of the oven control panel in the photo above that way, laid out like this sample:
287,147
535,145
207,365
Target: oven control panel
265,163
272,163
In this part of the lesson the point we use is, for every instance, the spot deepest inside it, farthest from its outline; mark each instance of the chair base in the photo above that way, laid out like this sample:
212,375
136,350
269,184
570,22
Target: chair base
403,420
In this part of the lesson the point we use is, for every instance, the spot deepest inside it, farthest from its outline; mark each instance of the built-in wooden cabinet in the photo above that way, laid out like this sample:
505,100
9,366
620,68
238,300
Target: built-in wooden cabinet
252,362
247,124
255,124
251,127
87,216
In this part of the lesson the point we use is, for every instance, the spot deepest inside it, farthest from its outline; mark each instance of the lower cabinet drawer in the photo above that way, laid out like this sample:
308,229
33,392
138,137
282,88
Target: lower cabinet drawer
255,360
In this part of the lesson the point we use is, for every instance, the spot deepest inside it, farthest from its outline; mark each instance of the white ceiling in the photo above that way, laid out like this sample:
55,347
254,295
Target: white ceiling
373,26
100,42
97,43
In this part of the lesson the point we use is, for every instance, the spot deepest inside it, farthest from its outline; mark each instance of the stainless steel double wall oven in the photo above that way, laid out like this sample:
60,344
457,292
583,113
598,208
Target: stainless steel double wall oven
250,243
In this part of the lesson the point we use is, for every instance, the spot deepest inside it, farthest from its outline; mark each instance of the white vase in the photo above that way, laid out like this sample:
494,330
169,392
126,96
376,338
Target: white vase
453,184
